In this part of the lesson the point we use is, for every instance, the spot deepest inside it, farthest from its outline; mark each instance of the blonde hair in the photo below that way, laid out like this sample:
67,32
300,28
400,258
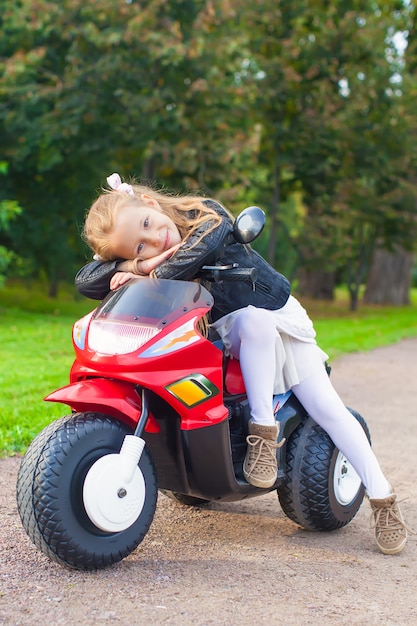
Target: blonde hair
187,212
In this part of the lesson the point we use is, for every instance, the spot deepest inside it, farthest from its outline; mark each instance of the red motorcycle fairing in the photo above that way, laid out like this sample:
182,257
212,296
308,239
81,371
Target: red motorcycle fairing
117,399
234,382
146,335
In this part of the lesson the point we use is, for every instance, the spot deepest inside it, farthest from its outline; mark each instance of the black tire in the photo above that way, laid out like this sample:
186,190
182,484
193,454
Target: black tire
49,492
183,498
308,495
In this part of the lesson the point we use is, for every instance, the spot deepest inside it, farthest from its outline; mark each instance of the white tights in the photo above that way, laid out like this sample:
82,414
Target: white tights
254,345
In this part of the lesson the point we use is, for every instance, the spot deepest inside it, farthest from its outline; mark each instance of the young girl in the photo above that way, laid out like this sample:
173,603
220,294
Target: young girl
137,231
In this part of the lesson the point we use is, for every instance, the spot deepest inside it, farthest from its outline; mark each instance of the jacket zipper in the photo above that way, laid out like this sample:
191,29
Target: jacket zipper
263,287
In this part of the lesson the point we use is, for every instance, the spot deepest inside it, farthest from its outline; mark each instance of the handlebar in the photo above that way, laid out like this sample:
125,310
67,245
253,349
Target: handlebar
247,226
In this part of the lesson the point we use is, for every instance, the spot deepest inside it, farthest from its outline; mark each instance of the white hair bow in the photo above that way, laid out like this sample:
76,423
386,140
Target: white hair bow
115,182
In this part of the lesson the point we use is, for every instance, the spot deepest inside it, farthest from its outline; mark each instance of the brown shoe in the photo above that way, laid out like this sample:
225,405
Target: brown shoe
390,529
260,467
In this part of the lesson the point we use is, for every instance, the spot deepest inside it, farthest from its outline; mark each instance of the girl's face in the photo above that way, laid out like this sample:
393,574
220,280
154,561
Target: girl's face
143,232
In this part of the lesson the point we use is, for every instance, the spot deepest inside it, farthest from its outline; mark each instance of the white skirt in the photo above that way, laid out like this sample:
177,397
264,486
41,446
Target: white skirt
297,355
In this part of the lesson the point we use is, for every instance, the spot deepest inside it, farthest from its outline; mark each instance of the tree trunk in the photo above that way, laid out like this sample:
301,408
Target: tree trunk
389,278
316,284
148,170
53,287
274,215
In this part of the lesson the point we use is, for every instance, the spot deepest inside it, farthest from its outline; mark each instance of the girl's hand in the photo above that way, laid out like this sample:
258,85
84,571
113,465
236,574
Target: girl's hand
120,278
145,267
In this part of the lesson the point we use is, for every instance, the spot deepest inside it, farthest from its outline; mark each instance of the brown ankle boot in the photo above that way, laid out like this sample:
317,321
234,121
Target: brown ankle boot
390,529
260,467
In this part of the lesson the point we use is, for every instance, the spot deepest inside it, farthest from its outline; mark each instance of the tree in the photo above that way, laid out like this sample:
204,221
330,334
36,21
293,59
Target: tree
9,210
287,105
389,278
372,193
334,128
86,88
395,267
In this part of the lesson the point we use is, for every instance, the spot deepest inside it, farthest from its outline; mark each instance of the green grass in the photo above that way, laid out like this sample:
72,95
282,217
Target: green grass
36,355
36,349
340,331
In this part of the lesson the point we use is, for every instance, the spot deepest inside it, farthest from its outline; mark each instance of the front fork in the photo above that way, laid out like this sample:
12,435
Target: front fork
144,415
133,445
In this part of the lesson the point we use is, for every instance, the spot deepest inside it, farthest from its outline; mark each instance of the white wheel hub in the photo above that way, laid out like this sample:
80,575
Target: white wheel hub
346,482
113,493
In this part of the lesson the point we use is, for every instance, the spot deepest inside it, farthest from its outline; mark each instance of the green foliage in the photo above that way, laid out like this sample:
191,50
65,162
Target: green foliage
145,89
251,102
336,113
9,210
6,258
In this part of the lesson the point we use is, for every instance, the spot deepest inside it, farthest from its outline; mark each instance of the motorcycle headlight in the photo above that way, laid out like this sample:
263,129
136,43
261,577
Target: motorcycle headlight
79,330
109,337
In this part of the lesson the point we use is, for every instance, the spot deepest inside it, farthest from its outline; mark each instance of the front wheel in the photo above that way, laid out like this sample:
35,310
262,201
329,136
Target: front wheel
322,490
50,492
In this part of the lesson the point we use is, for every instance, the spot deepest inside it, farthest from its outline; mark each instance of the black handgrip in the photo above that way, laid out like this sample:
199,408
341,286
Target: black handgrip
220,273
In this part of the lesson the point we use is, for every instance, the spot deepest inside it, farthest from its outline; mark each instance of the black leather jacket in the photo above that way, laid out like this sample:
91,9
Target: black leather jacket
269,291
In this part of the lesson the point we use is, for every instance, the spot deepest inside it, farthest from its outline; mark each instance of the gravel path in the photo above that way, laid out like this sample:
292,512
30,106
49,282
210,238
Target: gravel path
242,563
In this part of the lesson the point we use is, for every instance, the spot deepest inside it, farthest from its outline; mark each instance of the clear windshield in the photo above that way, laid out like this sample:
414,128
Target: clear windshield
153,302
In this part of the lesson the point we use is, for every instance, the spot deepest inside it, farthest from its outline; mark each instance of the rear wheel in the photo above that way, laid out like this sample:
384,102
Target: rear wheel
322,490
50,488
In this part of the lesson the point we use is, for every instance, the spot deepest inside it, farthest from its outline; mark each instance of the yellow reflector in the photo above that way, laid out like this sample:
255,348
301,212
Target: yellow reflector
188,392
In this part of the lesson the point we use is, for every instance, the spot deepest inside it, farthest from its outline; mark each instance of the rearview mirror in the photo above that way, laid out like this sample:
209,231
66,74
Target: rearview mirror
249,224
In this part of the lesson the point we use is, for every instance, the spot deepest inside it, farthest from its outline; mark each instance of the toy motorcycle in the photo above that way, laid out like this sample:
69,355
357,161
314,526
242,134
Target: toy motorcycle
156,406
